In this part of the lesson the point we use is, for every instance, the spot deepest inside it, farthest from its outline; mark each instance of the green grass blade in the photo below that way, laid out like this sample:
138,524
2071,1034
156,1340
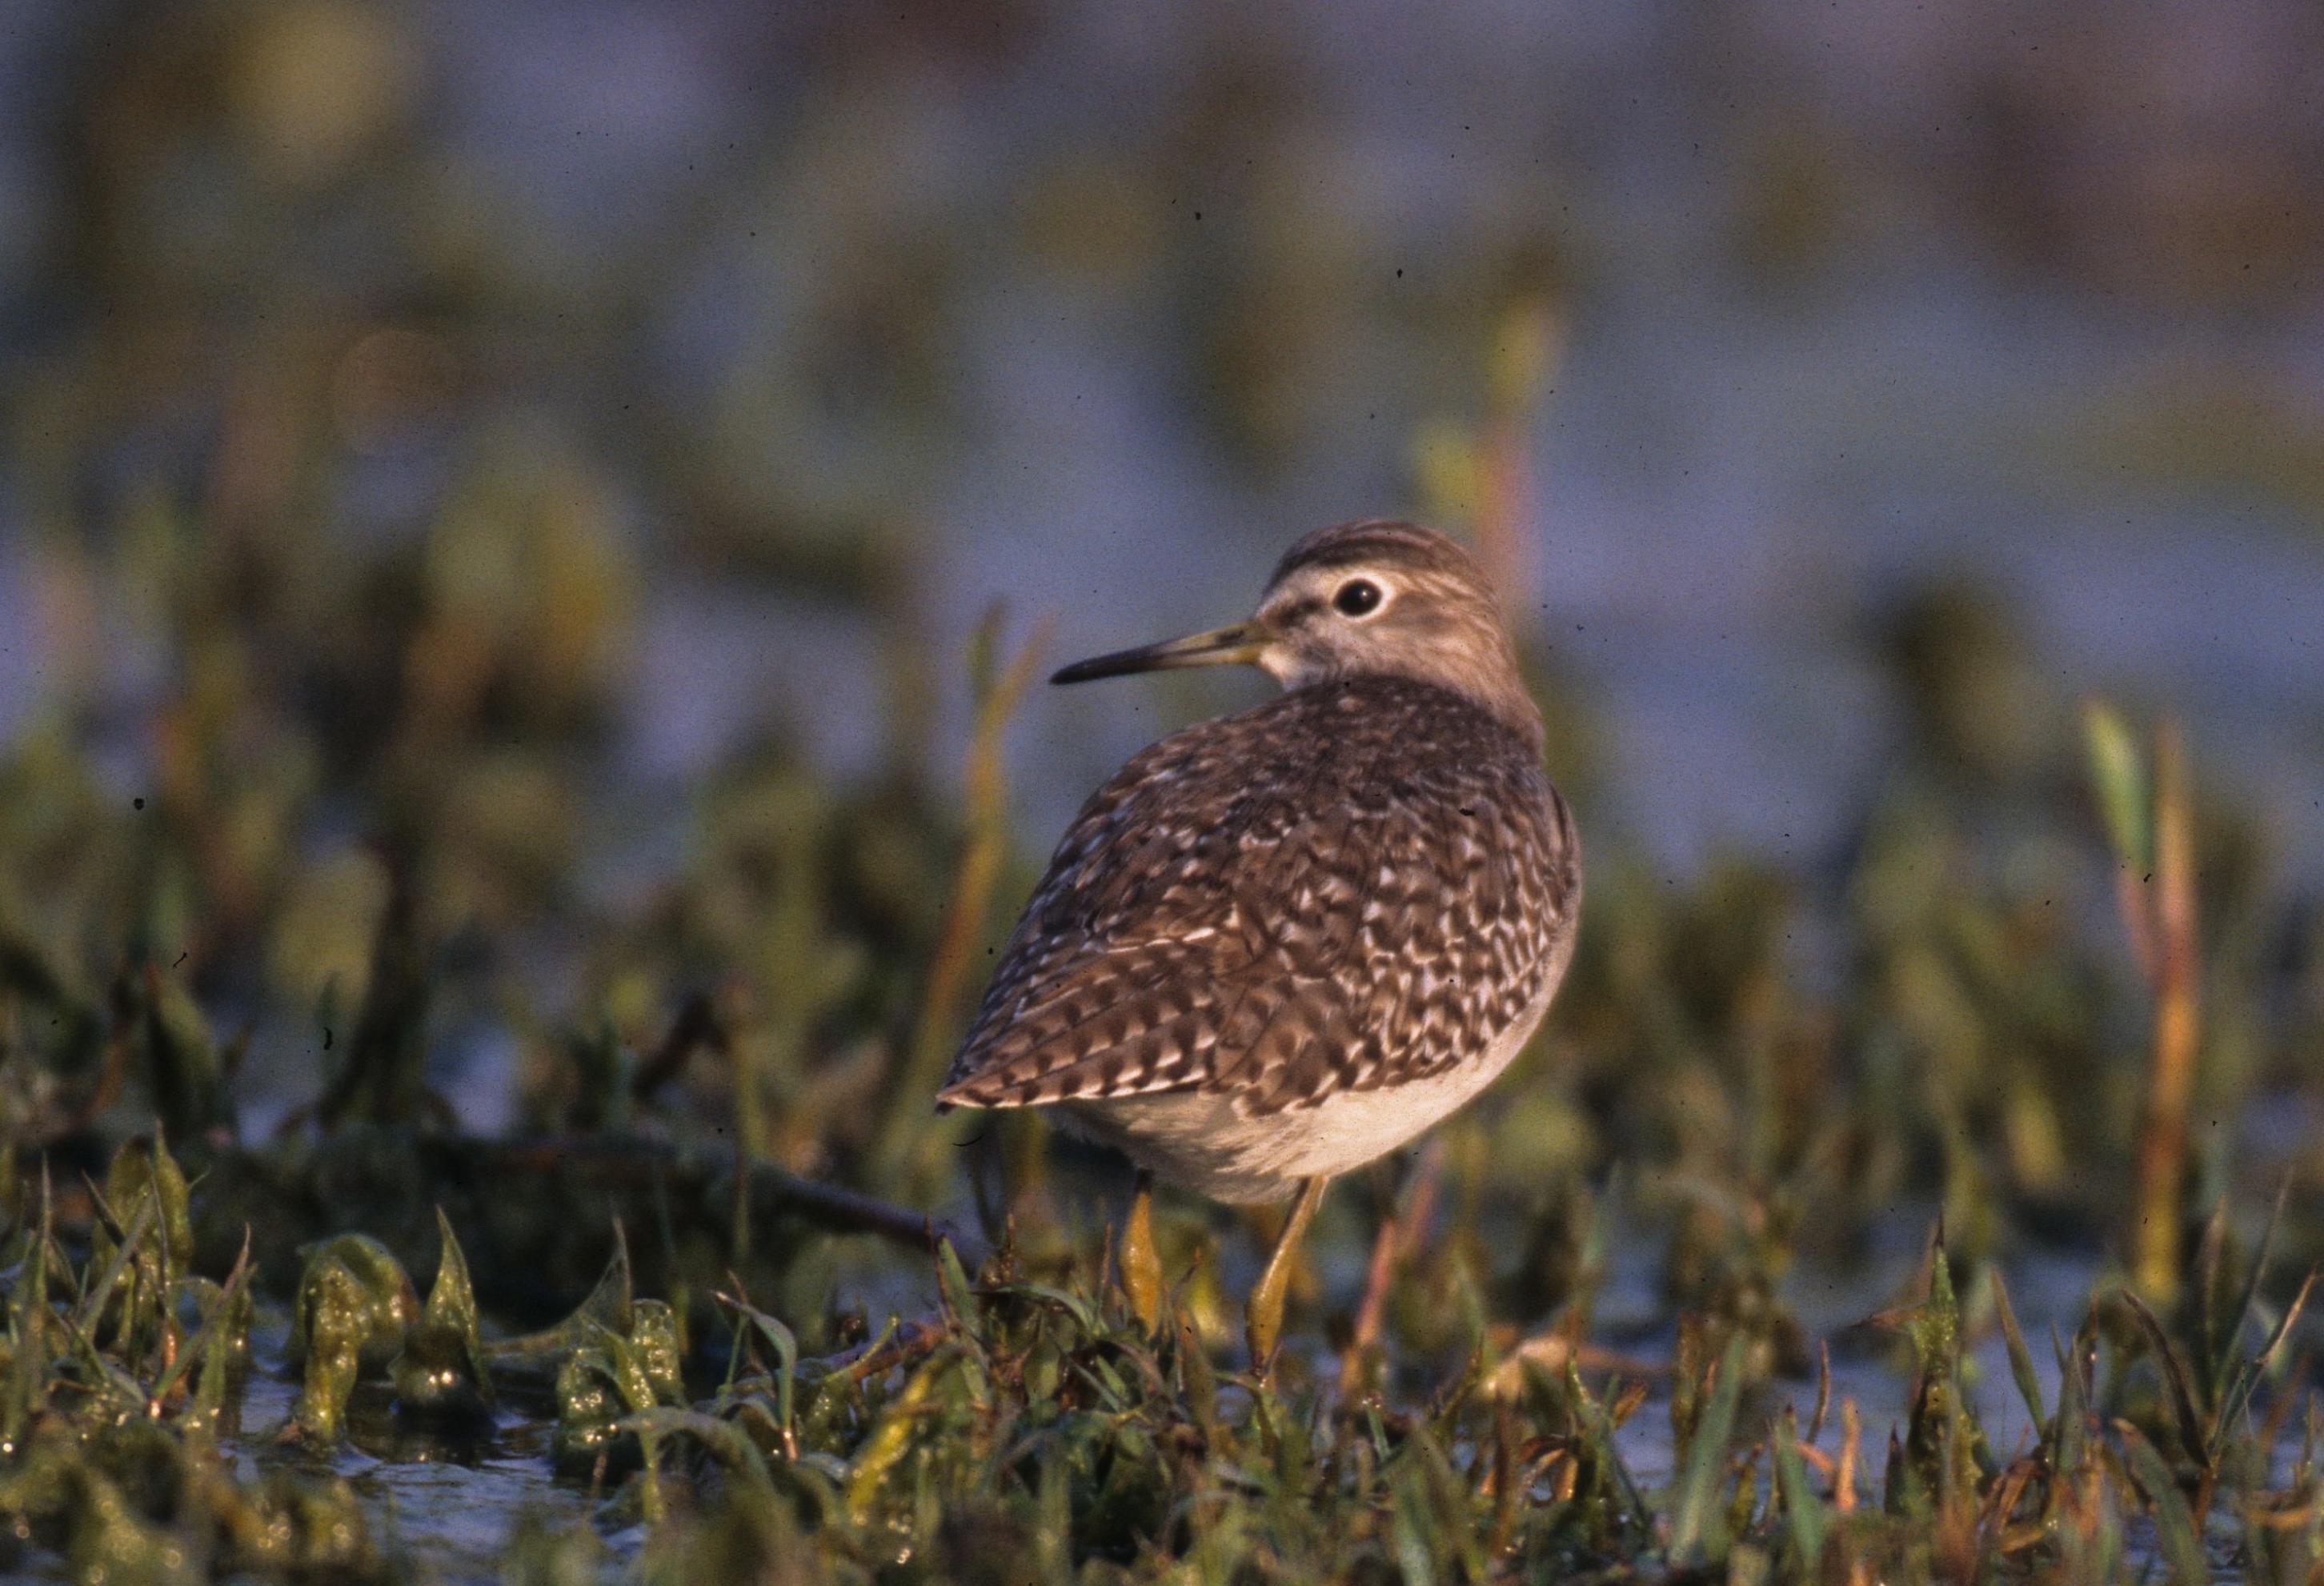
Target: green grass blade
2175,1535
1697,1525
2021,1359
2239,1392
1805,1516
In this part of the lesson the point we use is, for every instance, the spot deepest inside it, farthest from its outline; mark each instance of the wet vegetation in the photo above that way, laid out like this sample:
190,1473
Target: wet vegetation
438,1139
735,1296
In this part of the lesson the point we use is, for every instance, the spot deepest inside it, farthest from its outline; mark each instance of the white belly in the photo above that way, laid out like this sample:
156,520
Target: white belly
1202,1142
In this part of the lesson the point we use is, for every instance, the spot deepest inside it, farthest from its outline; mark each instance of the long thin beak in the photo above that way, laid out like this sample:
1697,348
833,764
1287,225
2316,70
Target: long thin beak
1237,645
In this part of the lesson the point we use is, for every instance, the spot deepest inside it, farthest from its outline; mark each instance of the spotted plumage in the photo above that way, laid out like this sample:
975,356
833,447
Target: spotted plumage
1280,943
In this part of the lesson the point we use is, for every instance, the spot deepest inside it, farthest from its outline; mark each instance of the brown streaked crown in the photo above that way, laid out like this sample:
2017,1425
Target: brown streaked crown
1388,541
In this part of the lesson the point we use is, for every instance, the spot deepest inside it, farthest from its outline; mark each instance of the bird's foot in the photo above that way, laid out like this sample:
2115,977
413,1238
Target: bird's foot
1263,1317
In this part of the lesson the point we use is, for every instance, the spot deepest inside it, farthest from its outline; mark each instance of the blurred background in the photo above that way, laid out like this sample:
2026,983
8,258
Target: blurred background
501,500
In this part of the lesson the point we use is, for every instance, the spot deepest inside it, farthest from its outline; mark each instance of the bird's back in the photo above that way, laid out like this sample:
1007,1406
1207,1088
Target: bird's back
1362,883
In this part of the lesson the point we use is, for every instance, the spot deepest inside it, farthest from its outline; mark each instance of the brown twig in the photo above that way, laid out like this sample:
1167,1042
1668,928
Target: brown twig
770,1190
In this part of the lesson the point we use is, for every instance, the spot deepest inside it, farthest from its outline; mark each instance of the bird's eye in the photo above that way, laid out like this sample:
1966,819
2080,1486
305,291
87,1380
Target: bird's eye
1358,597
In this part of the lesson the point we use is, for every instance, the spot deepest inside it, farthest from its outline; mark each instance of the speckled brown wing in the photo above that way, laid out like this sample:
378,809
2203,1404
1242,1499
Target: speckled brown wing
1355,884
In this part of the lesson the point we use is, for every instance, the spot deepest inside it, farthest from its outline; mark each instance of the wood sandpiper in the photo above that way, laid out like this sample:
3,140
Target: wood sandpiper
1281,944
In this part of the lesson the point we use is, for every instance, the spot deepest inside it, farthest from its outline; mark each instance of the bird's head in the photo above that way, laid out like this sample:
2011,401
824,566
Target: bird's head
1377,598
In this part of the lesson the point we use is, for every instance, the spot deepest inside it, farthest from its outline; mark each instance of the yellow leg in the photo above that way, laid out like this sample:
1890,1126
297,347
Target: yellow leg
1263,1321
1141,1267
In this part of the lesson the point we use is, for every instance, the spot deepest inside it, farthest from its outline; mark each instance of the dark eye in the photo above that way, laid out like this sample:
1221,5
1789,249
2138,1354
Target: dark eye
1358,597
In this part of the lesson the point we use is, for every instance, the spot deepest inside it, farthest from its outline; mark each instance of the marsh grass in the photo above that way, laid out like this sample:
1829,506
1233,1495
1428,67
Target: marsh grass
1027,1427
1664,1306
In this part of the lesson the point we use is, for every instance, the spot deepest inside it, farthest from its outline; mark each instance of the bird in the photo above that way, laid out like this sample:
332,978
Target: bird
1281,944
